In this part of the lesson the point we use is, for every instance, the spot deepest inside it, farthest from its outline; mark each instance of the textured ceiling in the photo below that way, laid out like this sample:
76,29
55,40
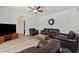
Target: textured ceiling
47,9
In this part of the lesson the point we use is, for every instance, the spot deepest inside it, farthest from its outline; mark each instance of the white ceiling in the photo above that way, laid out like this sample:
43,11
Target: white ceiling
47,9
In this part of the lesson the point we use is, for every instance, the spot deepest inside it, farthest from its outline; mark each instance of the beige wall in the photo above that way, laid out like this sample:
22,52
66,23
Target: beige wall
65,20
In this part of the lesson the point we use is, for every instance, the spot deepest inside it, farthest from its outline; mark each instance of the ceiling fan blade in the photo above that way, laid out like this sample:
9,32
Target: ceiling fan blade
38,7
30,7
40,10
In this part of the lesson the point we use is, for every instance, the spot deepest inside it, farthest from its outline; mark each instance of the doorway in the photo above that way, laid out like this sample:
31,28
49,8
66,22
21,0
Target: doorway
20,24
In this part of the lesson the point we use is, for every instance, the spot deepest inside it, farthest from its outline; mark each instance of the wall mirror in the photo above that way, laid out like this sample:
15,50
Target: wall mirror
51,21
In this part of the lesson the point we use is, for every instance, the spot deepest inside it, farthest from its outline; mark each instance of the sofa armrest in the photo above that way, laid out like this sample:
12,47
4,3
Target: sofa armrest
62,34
71,40
66,40
76,37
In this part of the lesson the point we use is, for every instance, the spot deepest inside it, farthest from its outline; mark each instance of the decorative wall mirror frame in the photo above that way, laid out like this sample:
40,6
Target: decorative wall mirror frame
51,21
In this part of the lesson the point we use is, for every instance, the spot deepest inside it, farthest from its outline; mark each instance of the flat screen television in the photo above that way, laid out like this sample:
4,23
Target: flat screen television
7,29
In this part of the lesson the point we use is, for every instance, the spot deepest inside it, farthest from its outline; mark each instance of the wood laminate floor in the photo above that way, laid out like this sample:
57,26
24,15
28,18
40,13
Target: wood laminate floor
19,44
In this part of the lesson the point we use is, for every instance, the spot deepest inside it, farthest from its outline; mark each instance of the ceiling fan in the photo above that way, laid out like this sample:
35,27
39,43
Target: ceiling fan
36,9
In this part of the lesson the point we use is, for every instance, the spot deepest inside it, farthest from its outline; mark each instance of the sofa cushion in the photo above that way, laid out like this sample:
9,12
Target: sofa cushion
42,43
65,50
50,47
56,31
71,35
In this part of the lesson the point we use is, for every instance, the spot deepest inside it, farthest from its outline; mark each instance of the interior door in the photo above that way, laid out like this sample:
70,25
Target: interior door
20,24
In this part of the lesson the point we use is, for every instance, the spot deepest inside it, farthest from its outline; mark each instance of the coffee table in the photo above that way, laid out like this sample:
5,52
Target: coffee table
41,36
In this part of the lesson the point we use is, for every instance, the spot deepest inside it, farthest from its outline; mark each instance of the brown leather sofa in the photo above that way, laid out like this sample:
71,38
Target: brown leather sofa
52,46
47,47
69,40
50,31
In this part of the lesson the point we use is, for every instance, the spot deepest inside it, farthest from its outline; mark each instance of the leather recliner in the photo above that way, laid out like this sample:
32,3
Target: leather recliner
33,31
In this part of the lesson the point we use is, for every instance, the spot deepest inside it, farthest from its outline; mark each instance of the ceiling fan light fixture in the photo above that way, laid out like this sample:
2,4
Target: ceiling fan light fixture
35,11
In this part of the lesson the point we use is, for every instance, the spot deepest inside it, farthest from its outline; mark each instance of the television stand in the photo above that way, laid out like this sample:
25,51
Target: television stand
8,37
